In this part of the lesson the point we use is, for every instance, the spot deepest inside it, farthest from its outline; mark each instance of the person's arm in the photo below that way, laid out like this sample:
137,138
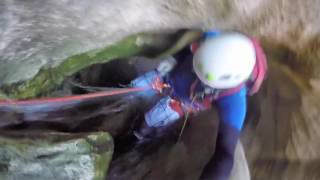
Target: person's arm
232,111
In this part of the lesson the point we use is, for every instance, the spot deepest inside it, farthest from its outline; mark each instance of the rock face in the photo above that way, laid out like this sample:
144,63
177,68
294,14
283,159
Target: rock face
49,78
283,131
34,35
54,156
283,119
169,158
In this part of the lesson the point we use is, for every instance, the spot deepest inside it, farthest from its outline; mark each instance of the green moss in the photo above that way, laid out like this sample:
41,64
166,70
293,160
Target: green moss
48,79
3,95
55,156
102,161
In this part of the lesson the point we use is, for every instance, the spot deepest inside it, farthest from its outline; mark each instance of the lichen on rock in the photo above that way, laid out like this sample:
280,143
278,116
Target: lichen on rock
141,44
49,78
55,156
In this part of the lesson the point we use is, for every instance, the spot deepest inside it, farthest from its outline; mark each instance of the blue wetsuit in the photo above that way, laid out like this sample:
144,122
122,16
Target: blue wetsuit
231,109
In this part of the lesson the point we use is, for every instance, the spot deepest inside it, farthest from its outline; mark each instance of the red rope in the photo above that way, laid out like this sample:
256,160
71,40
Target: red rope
71,98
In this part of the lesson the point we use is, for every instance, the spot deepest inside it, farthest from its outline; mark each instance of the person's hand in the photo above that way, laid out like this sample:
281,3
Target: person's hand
166,65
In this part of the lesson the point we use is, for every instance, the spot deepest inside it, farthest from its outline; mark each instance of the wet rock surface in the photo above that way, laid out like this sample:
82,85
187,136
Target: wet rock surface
45,155
280,137
166,157
36,34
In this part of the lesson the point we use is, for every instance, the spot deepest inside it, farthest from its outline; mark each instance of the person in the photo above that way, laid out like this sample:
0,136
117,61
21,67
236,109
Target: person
221,69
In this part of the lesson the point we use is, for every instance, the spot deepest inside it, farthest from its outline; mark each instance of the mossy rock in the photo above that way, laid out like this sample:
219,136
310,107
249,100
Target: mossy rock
48,79
55,156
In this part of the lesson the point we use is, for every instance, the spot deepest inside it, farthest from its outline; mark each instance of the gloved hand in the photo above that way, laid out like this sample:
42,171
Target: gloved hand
166,65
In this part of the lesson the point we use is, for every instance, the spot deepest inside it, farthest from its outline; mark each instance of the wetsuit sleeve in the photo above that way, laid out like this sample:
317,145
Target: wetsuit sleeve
232,110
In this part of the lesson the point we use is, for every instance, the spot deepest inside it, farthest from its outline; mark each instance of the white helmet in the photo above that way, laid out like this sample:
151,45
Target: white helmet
225,61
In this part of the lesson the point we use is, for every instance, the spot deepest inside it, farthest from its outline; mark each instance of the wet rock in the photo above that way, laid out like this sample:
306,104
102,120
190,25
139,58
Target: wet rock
283,133
167,158
49,78
36,35
56,156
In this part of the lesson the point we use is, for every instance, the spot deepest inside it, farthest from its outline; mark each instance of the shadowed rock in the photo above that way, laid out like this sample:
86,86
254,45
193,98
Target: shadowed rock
165,157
